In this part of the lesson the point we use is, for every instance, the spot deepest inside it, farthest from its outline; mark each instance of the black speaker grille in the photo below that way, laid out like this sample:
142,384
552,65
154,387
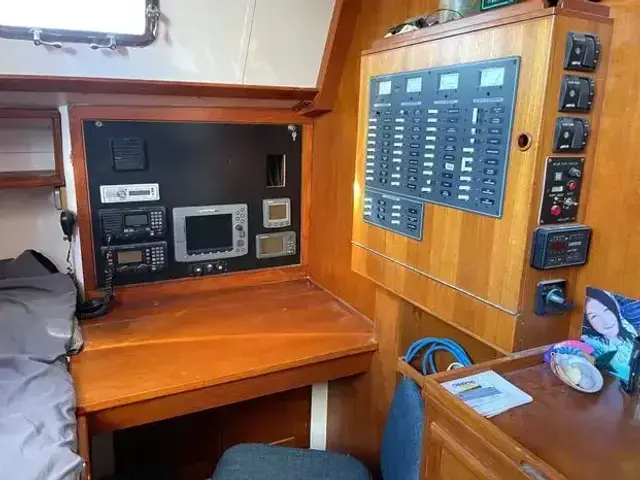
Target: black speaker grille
128,154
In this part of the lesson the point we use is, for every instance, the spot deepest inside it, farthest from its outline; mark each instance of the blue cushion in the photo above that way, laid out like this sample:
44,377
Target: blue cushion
402,440
266,462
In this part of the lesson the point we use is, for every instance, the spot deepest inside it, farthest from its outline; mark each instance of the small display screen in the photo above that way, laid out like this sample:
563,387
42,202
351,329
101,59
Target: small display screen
557,189
492,77
278,212
130,256
449,81
136,220
384,88
414,85
558,246
209,232
271,245
139,193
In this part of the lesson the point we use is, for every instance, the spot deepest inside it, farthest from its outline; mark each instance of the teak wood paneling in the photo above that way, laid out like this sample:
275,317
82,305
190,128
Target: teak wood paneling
614,200
471,270
169,345
531,441
534,331
160,358
484,258
358,407
78,114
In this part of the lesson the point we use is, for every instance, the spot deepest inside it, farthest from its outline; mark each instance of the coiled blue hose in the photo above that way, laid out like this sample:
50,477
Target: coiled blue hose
433,345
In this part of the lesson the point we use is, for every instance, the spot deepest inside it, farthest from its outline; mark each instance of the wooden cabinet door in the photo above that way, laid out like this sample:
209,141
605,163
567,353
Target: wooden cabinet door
450,458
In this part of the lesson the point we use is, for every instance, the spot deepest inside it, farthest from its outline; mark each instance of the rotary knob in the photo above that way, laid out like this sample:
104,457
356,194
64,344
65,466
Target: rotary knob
574,172
121,194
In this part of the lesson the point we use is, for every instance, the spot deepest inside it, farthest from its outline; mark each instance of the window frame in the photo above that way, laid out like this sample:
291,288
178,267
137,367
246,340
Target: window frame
49,36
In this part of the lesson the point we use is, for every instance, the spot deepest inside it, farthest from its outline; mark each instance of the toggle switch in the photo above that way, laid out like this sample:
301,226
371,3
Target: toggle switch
571,134
576,94
582,52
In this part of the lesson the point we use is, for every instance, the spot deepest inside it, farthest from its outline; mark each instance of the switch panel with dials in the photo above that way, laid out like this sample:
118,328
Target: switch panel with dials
582,52
561,190
571,134
576,94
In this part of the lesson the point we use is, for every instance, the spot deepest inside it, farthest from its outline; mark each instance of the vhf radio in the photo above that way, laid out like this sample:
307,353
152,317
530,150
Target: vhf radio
134,237
133,225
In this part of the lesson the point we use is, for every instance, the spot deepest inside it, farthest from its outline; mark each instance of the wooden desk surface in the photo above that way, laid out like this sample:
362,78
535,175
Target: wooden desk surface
583,436
152,349
562,434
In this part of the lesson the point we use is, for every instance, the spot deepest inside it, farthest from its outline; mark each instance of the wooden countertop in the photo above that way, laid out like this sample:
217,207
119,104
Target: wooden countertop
583,436
152,349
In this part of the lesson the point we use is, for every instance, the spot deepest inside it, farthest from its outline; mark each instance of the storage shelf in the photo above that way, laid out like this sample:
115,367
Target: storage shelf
23,118
31,179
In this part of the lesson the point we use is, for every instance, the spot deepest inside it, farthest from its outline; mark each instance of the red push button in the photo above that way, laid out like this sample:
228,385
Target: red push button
572,185
556,210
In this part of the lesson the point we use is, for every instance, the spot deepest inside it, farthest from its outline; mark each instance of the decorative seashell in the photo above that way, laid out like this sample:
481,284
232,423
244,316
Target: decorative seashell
577,372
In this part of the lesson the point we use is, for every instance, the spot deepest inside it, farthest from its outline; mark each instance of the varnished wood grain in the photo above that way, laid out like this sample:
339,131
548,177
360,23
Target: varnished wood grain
604,428
472,270
155,348
585,6
84,446
32,83
533,330
557,409
476,319
482,256
493,18
78,114
305,198
517,360
355,411
417,323
497,455
614,202
36,178
252,385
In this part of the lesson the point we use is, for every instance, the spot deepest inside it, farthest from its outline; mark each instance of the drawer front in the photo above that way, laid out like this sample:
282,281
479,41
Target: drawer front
455,452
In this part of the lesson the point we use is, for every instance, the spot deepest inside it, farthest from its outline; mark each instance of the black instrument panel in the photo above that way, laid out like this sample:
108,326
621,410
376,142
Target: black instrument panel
188,165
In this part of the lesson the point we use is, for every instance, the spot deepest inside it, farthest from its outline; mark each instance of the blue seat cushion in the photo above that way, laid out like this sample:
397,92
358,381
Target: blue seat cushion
402,439
266,462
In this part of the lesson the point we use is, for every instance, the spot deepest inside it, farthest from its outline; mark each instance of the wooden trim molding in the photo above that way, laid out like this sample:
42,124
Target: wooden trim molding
78,114
341,30
29,83
305,194
36,178
528,10
160,408
188,114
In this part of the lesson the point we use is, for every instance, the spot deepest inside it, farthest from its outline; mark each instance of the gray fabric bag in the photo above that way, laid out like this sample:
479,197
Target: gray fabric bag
38,437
